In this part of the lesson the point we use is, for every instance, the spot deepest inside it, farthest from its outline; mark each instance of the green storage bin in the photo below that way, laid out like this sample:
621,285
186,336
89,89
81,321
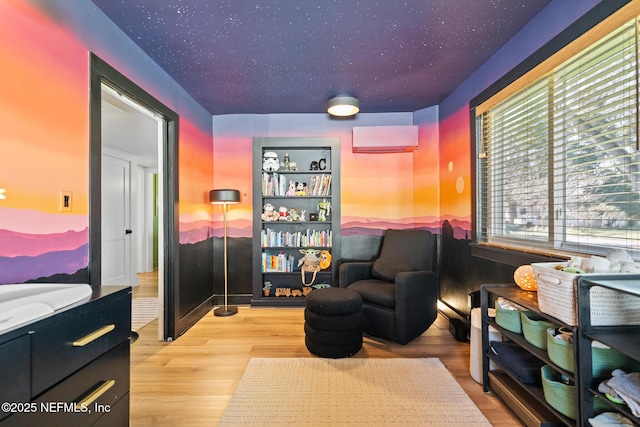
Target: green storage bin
561,396
560,352
534,329
603,359
508,319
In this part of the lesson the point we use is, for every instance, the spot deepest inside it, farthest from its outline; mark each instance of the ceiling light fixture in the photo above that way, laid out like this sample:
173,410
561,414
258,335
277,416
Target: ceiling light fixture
343,106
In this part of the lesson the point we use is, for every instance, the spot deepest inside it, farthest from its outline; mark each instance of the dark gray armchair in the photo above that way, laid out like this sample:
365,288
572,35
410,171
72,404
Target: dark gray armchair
399,290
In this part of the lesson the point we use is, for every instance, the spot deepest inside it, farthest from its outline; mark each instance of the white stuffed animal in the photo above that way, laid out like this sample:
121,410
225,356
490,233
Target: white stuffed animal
269,213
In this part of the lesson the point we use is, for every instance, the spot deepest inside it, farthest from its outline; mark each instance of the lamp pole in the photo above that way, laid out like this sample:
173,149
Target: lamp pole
225,198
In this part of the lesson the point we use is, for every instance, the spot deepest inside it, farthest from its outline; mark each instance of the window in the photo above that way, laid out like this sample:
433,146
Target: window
558,161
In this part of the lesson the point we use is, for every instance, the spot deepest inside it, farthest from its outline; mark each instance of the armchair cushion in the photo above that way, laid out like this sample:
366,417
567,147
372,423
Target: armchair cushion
403,250
375,291
387,269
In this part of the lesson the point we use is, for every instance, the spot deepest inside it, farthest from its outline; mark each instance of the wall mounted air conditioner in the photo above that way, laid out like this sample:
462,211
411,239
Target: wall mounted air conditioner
385,139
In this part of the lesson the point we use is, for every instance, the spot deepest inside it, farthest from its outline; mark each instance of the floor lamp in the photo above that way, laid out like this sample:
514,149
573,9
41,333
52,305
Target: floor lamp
225,198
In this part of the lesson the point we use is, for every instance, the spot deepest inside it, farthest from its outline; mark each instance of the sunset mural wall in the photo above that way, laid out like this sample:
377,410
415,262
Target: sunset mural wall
44,95
378,191
44,147
44,65
196,169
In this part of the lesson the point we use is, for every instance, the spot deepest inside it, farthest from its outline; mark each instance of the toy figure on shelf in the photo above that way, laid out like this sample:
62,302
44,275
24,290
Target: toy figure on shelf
286,165
283,214
270,162
324,210
294,214
292,188
301,189
309,263
325,259
269,213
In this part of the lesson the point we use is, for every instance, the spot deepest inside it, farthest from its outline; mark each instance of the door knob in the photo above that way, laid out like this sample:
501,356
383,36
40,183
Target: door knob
128,231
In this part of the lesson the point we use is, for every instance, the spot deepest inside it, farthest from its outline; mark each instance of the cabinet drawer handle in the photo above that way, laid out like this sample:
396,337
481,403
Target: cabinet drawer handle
94,335
95,394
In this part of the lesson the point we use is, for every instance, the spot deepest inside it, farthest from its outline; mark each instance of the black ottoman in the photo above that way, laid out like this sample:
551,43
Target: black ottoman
333,322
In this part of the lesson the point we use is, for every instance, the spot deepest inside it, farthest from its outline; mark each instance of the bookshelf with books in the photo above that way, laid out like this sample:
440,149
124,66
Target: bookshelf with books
296,218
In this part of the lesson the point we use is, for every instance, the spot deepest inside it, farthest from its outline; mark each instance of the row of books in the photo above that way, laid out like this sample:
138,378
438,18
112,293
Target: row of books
319,185
281,263
275,184
276,238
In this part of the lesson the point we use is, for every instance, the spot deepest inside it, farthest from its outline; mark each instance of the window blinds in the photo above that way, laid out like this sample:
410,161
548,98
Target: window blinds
558,165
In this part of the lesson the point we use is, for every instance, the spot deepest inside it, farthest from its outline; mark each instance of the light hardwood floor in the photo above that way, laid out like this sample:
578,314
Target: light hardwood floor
147,285
190,381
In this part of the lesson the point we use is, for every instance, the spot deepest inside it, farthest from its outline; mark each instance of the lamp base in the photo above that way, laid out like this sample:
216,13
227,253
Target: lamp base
225,310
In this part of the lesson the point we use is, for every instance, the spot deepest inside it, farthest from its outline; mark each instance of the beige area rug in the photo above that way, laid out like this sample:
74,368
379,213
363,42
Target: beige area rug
350,392
143,312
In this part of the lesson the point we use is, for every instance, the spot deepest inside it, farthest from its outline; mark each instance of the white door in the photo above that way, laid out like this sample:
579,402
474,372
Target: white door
116,221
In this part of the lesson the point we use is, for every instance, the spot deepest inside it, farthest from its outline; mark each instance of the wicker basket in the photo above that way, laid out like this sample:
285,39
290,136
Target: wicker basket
508,319
603,359
534,329
558,297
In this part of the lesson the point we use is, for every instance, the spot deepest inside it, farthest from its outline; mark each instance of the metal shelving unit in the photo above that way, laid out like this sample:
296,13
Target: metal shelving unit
623,338
526,401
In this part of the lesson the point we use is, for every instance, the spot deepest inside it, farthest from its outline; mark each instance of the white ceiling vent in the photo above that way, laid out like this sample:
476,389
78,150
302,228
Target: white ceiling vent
385,139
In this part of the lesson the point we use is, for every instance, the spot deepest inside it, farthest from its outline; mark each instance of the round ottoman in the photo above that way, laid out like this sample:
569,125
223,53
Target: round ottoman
333,322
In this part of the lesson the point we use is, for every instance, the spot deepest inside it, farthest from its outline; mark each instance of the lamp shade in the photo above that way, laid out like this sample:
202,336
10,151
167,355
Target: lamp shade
343,106
224,196
525,278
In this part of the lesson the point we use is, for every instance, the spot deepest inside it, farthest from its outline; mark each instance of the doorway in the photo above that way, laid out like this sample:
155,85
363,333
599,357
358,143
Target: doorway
167,194
131,152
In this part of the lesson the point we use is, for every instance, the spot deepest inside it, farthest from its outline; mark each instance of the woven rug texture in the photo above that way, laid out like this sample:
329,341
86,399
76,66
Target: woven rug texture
143,312
350,392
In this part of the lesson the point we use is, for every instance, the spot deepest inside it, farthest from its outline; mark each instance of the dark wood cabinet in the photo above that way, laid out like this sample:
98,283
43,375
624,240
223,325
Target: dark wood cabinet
71,368
15,376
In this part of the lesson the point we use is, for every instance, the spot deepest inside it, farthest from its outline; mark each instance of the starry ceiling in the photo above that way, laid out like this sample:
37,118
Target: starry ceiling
291,56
